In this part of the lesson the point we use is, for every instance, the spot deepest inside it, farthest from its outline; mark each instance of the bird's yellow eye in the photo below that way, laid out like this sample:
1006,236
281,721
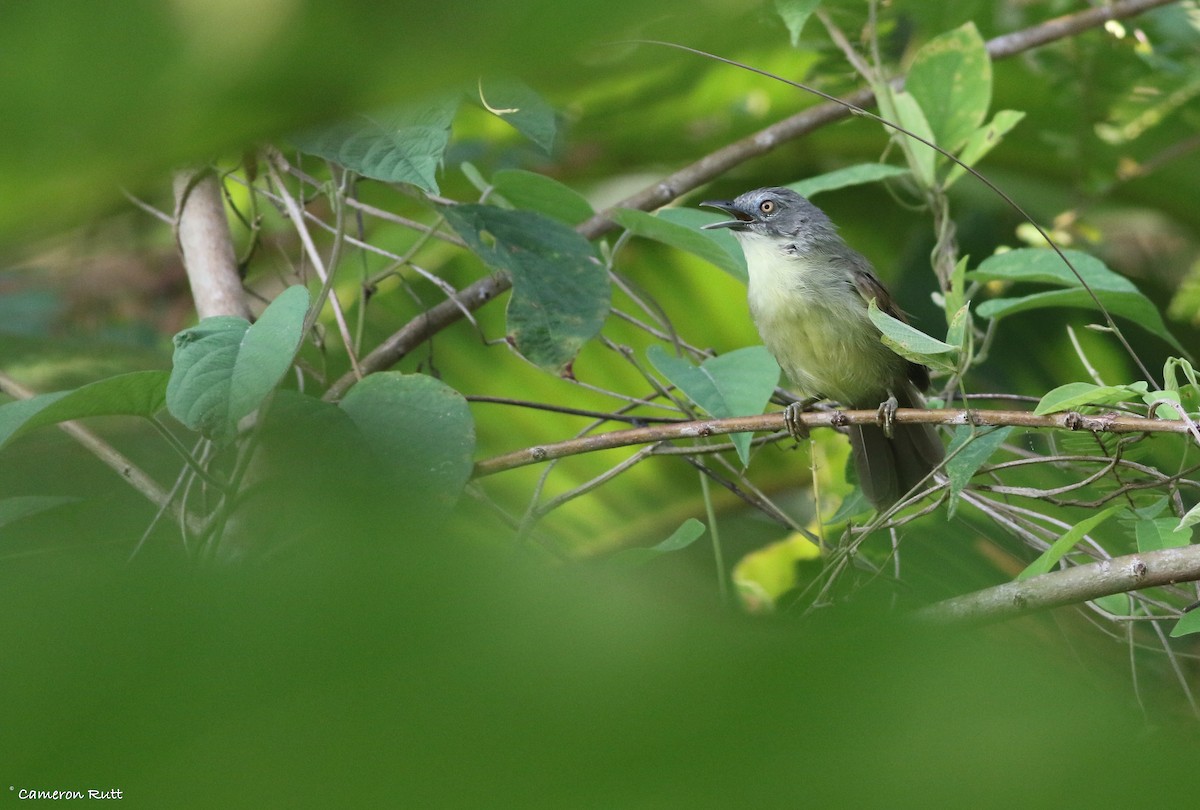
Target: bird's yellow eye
767,206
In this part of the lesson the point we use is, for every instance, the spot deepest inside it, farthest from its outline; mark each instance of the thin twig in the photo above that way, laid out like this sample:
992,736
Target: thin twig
774,422
111,457
314,255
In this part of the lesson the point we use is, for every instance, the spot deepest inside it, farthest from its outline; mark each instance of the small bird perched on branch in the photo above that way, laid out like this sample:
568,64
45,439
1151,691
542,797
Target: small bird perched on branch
808,294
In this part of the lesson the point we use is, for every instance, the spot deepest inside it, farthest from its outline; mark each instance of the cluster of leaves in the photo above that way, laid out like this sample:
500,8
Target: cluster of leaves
418,431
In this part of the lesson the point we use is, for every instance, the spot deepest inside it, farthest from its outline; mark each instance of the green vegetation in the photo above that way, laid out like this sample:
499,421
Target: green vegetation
489,503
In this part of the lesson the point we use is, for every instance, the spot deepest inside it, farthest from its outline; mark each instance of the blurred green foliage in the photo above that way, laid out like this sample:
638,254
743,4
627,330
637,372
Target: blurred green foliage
382,655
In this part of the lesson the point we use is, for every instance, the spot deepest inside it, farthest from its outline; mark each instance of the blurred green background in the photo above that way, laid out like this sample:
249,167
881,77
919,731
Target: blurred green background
405,663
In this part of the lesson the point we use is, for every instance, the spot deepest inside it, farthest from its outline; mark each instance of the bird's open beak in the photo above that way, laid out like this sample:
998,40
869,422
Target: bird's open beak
740,218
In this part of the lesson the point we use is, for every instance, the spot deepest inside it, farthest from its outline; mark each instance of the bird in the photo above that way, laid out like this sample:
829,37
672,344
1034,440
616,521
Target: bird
809,293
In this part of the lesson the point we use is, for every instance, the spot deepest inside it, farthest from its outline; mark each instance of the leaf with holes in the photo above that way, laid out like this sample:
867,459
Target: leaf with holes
951,79
560,296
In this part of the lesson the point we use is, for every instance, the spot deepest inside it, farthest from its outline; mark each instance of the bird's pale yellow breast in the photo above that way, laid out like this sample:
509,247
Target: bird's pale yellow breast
814,321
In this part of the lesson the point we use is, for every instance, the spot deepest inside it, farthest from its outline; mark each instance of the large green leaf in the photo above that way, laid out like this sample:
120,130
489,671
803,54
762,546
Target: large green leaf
951,79
518,104
537,192
397,147
911,343
422,431
855,175
1077,394
560,295
982,141
141,393
1117,293
680,228
224,367
738,383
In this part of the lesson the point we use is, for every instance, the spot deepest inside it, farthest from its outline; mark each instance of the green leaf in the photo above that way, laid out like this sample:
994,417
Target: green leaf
1118,604
267,350
951,79
1045,266
1160,533
1118,294
1050,557
956,295
21,506
404,146
1074,395
141,393
224,367
1190,519
1188,623
422,431
853,504
856,175
560,295
795,14
911,343
739,383
912,118
668,227
537,192
521,107
687,533
970,449
474,176
959,331
982,141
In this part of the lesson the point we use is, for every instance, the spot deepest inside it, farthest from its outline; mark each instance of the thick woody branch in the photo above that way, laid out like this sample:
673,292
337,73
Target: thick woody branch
1080,583
1107,423
207,246
709,167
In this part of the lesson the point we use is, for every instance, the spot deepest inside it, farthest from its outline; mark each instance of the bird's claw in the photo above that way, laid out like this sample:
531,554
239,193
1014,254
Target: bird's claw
793,420
887,414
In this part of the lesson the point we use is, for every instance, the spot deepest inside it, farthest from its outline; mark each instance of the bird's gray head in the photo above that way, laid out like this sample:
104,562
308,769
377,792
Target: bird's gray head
773,212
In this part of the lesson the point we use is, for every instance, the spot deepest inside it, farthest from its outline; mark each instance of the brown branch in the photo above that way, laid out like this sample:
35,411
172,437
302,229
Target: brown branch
1070,420
1080,583
443,314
